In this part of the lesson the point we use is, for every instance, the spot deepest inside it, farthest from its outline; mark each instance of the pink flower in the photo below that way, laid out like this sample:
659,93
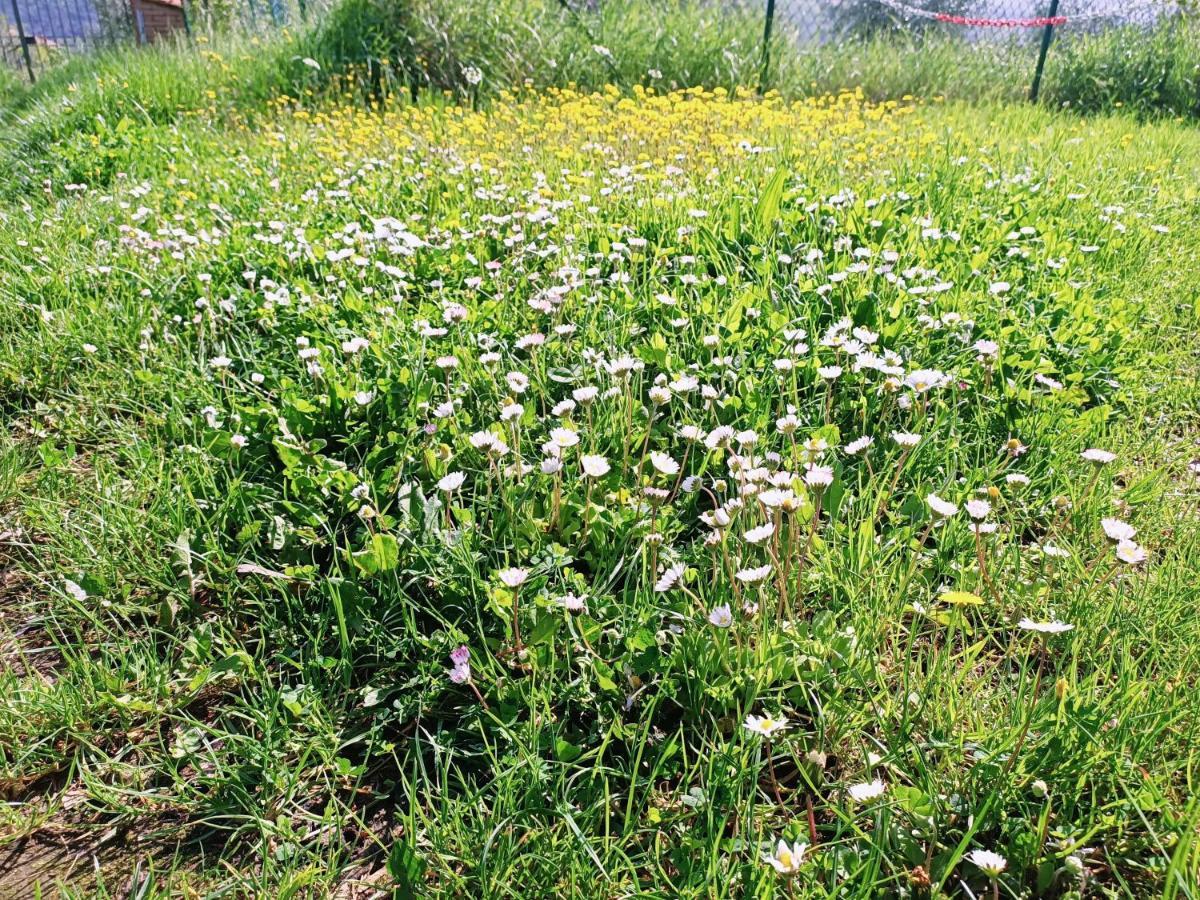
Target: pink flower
461,673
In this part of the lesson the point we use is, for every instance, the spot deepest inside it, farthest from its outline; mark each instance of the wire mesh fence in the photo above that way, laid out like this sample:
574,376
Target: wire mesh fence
829,21
1007,28
35,34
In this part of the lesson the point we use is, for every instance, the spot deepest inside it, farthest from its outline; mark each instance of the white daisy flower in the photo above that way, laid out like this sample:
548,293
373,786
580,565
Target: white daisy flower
594,465
1051,627
991,864
451,482
1098,457
664,463
765,726
1117,530
940,507
786,860
513,578
867,790
752,576
759,534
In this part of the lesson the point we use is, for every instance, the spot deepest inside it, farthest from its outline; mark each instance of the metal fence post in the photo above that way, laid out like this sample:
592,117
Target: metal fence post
1047,35
766,51
24,41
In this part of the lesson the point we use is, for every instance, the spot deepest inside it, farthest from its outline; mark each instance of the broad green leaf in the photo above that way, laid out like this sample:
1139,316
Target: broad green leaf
382,554
406,869
766,211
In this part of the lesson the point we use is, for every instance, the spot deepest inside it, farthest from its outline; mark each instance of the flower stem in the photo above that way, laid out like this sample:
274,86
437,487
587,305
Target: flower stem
774,780
516,620
478,695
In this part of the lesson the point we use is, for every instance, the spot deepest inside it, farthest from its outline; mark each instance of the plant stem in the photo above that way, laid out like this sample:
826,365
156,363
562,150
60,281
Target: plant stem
774,780
517,621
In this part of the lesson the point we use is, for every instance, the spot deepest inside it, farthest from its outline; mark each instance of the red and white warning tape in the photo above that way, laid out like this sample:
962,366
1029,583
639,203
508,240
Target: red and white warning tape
987,22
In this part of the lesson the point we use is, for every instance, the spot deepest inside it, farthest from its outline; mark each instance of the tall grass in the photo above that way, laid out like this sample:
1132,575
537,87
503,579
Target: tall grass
1150,73
11,86
889,66
437,45
483,48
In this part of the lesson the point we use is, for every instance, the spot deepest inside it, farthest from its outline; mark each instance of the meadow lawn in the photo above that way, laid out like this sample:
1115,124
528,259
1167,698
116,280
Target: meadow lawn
579,495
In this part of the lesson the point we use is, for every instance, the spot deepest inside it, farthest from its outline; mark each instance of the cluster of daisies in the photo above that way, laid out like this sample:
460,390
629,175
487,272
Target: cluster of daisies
571,342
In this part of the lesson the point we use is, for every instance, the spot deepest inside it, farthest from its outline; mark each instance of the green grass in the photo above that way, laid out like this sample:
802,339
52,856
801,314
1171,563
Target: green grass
11,84
379,51
1155,73
235,658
